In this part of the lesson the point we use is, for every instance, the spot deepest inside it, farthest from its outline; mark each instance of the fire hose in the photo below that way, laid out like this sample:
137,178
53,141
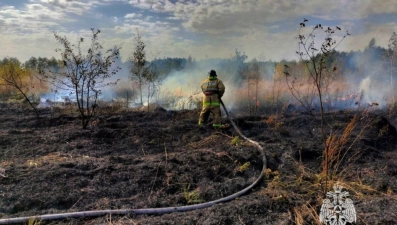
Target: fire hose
97,213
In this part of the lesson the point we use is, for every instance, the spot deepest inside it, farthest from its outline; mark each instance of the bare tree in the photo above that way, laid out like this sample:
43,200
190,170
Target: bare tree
84,74
20,80
316,58
253,78
300,85
393,56
151,84
277,86
238,64
138,69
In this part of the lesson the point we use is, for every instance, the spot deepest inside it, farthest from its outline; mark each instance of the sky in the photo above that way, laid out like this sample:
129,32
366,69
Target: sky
202,29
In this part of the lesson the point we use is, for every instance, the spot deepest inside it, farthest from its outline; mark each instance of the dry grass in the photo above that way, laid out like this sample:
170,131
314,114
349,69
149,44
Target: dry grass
48,159
306,214
335,144
277,125
339,147
272,121
213,139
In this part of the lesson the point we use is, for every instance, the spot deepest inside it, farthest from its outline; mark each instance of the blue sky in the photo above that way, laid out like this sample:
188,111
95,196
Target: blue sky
264,29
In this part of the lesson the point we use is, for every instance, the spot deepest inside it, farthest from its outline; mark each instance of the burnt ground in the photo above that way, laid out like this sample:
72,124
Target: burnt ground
135,159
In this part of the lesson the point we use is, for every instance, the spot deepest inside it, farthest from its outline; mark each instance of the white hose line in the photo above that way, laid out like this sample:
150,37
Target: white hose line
97,213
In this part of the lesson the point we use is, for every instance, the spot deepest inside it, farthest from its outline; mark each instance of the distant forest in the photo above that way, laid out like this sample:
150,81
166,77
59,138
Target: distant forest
374,61
374,64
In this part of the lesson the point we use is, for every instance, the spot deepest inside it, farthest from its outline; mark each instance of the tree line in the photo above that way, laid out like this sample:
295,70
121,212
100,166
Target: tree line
84,74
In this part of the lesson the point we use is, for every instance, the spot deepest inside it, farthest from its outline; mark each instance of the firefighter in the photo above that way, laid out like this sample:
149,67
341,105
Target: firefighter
213,90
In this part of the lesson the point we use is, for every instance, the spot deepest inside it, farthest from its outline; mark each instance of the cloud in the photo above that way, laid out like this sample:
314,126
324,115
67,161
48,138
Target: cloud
155,5
132,15
33,18
23,46
217,16
201,28
142,4
381,34
69,6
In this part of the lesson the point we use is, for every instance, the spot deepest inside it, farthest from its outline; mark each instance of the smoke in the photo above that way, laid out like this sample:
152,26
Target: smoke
365,86
185,84
369,76
375,92
123,87
361,81
108,92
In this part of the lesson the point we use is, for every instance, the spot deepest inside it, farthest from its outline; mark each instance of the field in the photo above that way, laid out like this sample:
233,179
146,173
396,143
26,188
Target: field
133,159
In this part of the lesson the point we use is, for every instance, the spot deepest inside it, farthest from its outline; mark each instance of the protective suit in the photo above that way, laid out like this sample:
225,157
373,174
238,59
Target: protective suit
213,89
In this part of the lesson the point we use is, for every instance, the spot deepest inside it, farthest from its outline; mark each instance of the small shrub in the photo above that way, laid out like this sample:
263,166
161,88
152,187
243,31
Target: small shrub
191,197
236,141
270,174
243,167
34,221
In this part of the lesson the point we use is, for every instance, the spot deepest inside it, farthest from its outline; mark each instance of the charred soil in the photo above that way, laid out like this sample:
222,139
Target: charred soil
136,159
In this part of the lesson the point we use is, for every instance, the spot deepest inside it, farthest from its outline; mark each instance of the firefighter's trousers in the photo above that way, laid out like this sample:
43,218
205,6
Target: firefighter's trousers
205,113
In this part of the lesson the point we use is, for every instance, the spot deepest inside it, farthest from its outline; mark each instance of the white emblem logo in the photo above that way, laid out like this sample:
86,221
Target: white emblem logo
339,211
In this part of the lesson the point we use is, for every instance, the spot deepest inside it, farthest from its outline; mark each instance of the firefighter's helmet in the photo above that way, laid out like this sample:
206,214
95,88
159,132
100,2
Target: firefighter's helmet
212,73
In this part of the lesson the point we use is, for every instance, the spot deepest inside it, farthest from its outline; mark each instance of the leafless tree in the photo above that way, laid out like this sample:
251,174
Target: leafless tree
20,80
139,66
393,57
316,55
84,74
